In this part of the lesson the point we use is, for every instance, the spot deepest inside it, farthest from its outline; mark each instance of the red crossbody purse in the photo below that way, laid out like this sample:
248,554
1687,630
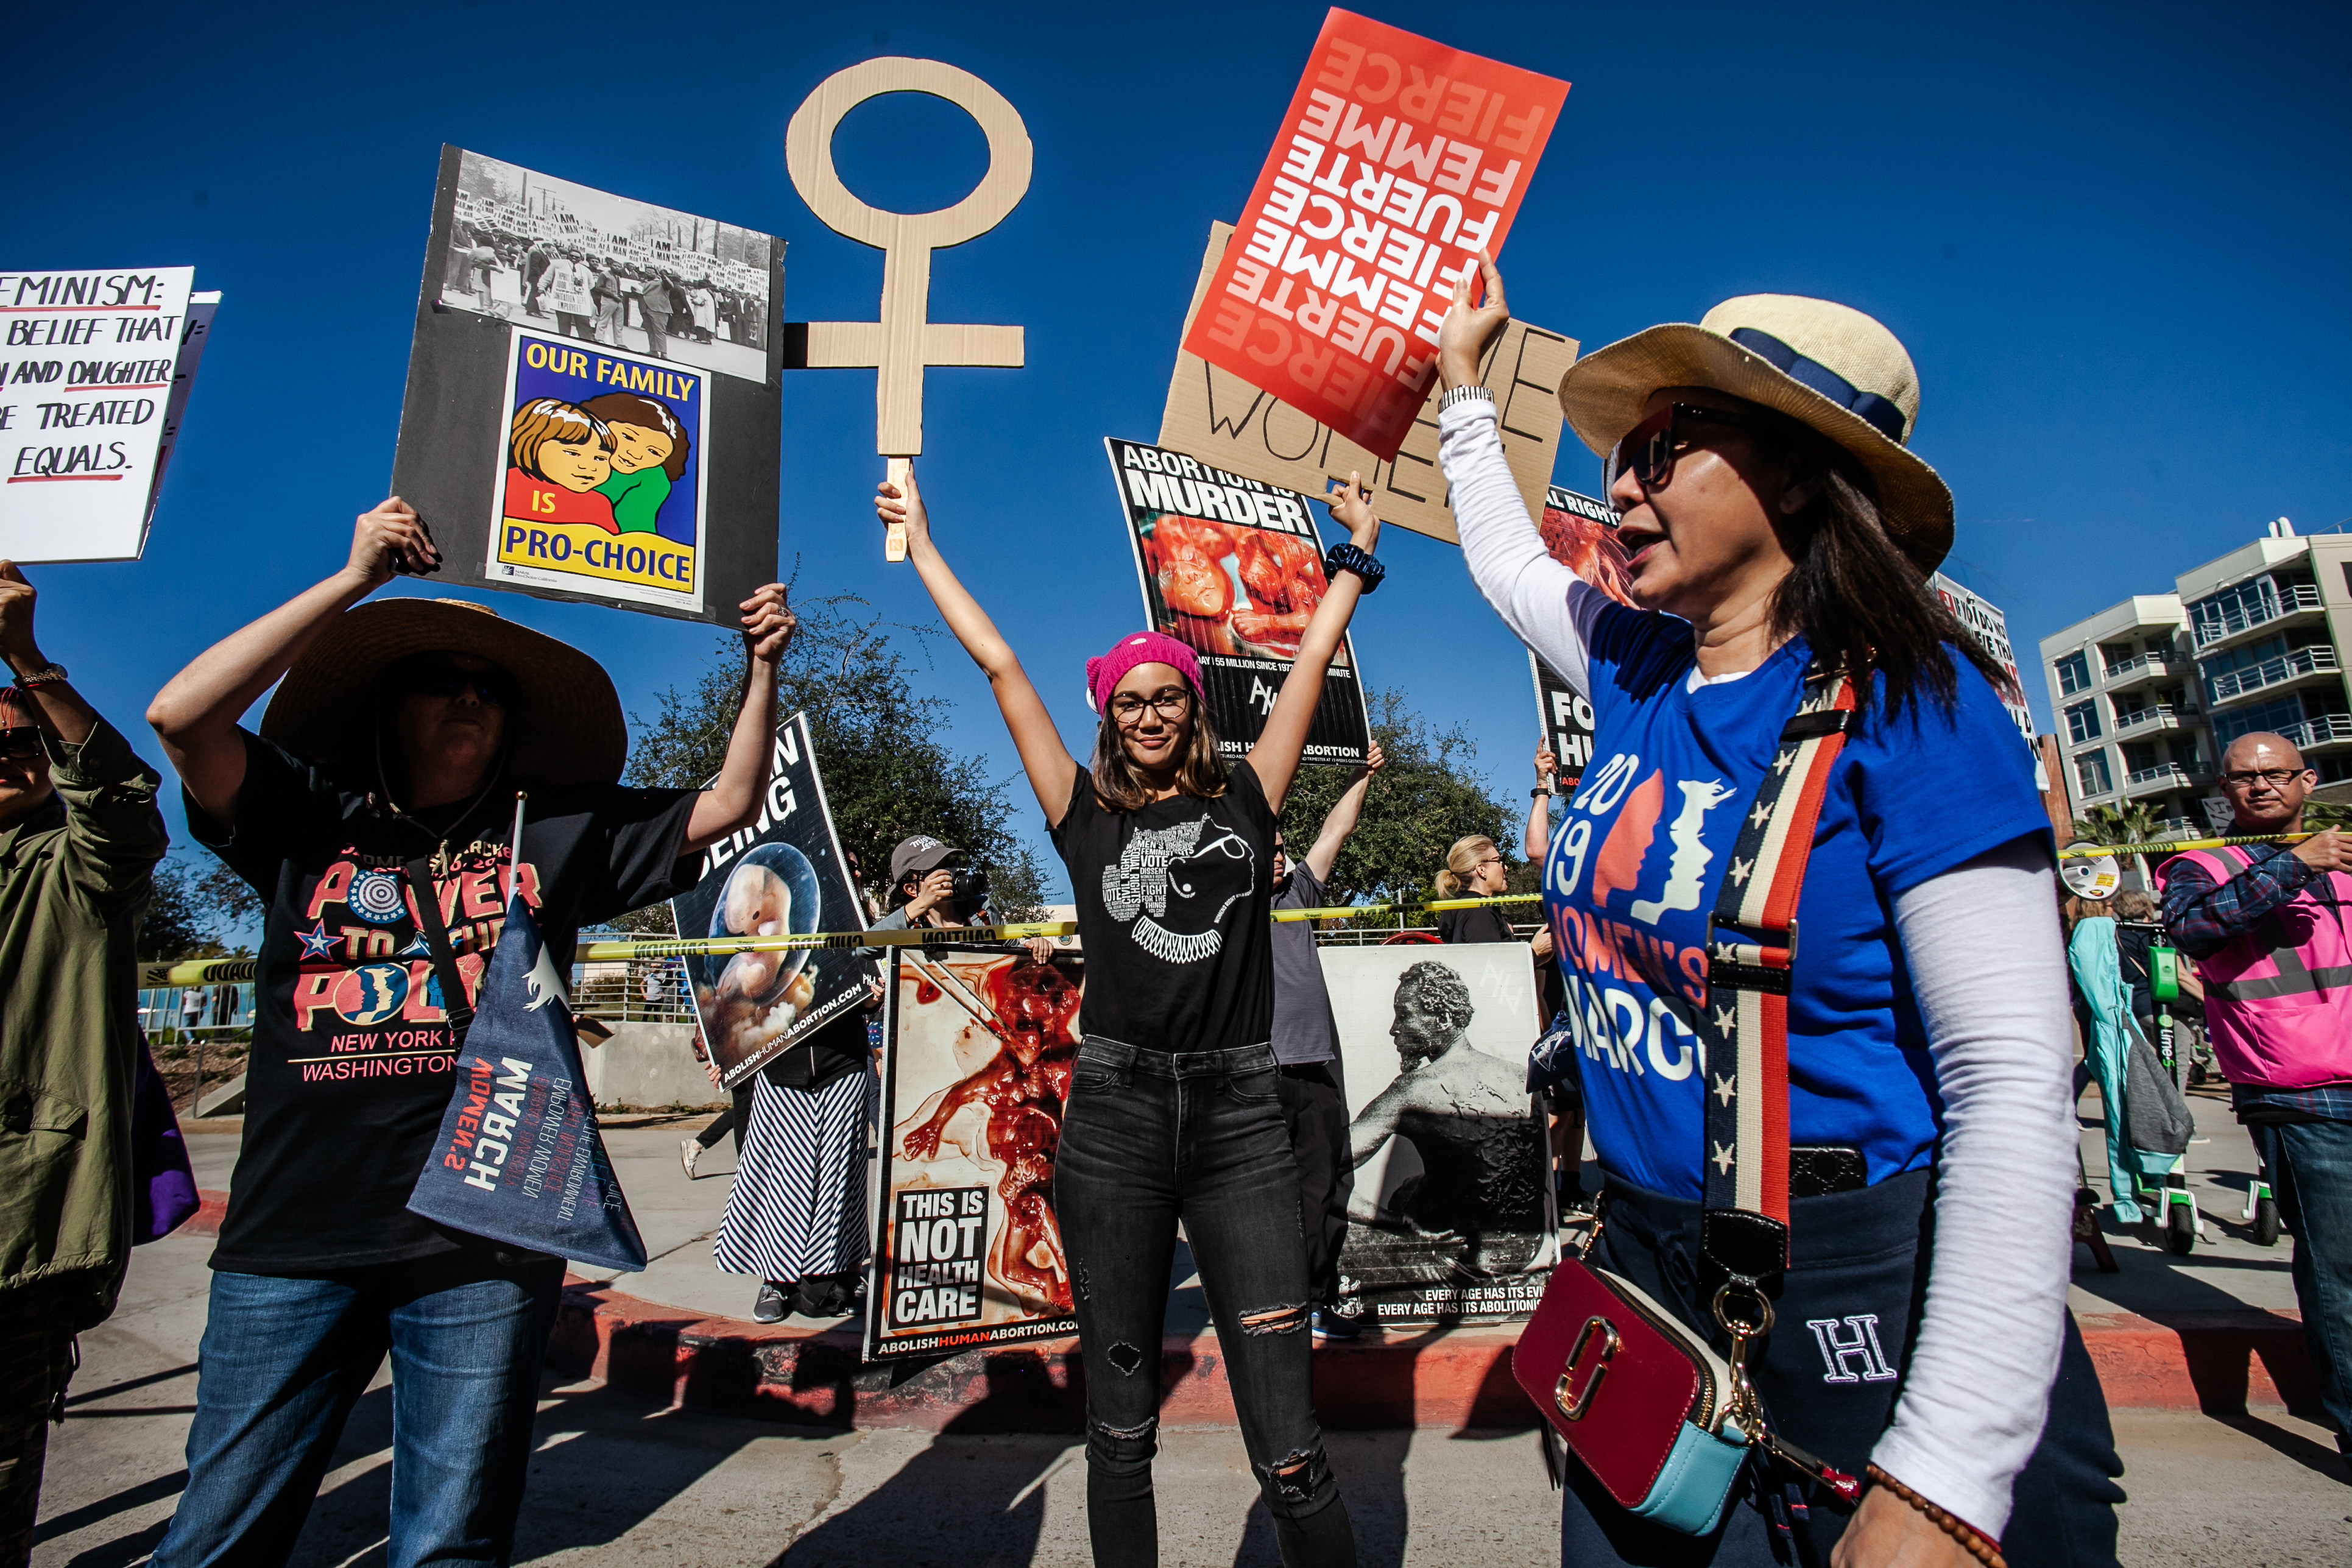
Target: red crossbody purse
1662,1421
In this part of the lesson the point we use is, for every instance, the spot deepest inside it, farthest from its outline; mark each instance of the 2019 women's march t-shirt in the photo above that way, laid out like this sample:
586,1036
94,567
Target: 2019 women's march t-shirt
1634,871
1174,911
353,1056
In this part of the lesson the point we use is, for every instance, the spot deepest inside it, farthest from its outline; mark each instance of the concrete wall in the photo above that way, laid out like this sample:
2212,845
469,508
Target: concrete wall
650,1066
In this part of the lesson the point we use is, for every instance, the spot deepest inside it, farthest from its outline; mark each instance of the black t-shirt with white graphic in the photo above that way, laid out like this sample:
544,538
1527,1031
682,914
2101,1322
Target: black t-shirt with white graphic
352,1055
1173,911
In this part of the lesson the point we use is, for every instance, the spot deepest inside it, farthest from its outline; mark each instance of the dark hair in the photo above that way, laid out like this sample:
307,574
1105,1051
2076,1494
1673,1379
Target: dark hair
1857,600
629,408
1118,787
1438,991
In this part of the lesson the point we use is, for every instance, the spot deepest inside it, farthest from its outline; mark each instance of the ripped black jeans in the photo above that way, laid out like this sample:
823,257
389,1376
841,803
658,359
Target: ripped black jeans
1149,1139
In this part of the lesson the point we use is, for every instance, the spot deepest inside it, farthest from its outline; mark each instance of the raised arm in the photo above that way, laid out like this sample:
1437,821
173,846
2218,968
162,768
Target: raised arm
1538,839
1345,813
1052,771
732,800
1275,757
197,713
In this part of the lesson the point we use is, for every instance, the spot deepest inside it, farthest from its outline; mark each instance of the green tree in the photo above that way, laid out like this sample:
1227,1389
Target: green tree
182,921
886,776
2133,822
1426,797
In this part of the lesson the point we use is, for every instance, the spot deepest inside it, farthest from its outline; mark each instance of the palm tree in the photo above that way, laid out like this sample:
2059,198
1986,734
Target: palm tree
2133,822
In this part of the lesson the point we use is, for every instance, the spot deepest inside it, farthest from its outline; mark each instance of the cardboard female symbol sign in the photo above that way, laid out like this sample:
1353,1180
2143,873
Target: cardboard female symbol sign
903,339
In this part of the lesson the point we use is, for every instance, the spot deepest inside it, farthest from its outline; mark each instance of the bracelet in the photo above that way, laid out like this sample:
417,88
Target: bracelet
1539,793
1350,557
1979,1545
1469,391
47,675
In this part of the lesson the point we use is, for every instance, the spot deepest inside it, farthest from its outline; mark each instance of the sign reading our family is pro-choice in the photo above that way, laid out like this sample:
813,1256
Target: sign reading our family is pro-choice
1232,568
593,398
1398,159
95,366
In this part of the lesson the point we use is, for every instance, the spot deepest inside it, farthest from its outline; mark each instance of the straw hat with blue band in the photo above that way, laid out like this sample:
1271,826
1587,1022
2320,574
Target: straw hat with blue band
1825,365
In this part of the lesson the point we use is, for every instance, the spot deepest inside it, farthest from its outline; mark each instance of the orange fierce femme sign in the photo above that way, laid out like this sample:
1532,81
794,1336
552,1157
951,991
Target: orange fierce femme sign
1398,159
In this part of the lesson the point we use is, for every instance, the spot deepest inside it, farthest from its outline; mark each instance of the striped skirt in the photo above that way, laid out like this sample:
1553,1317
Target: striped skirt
797,1207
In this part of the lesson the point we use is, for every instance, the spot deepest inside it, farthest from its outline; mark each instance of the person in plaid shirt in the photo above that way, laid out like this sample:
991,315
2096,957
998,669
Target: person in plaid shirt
2284,1038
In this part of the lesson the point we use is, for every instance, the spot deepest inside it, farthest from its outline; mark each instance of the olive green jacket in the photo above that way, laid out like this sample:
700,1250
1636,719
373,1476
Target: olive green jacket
74,886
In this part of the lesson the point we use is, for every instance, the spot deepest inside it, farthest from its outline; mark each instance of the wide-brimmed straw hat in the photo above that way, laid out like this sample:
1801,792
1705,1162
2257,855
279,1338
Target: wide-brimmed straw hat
568,728
1823,365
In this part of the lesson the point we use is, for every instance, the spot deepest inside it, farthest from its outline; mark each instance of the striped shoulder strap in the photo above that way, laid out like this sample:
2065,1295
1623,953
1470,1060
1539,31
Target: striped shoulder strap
1752,952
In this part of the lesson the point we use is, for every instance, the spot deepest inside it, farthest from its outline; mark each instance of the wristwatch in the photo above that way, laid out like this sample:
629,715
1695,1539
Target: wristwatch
47,675
1467,393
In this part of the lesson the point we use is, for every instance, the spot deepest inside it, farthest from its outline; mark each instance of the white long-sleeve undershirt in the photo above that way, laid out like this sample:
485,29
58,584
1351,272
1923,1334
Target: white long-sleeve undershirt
1987,972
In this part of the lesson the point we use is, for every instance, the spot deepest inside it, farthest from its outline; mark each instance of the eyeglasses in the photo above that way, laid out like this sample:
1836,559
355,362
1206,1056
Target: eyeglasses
1171,702
20,743
1647,451
446,678
2277,778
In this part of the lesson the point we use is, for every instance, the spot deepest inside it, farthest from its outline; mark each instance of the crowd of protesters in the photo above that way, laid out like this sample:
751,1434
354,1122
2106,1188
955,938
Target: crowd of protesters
1778,529
593,297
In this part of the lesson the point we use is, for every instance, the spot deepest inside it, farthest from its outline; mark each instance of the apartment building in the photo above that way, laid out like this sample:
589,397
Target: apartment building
2148,693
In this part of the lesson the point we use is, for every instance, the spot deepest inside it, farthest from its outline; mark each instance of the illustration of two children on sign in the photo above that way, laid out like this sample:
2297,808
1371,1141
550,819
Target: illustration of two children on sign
609,461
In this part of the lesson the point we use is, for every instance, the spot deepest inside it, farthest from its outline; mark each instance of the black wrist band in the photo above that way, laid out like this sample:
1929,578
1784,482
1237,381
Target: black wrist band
1348,557
1539,793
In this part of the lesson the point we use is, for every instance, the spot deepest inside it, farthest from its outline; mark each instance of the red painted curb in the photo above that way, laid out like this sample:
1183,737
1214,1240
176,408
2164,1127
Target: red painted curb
2218,1363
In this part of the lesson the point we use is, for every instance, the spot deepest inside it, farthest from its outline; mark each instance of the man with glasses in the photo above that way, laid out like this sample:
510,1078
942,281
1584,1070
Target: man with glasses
80,837
2265,923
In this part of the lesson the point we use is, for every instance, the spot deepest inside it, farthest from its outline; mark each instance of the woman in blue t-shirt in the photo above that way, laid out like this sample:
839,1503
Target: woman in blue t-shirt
1773,518
1173,1109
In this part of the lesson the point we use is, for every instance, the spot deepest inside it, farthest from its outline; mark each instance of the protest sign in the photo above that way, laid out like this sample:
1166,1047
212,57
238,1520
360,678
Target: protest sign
1220,418
1447,1218
1985,623
1233,569
1398,159
784,874
977,1069
594,395
1580,534
520,1158
94,369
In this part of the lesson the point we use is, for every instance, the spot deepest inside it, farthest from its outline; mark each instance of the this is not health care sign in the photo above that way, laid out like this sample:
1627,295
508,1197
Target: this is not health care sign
88,360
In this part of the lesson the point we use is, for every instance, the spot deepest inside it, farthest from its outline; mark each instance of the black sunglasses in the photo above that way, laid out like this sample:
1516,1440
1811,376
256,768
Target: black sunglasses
1647,451
431,676
20,743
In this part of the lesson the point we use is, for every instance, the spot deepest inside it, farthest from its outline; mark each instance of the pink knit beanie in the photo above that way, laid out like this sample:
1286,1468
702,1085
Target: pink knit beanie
1104,674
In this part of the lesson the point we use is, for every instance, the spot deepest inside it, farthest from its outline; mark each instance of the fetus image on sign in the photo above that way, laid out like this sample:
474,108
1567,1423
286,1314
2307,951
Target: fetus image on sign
753,997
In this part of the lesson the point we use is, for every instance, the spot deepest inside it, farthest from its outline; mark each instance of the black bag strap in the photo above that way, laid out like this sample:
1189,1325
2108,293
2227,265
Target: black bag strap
453,1004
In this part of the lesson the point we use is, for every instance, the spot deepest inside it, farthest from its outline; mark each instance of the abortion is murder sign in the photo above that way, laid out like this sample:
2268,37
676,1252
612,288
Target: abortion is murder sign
1397,159
1232,568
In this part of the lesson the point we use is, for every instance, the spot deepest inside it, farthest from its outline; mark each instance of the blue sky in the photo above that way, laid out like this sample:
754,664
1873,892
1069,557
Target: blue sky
2113,238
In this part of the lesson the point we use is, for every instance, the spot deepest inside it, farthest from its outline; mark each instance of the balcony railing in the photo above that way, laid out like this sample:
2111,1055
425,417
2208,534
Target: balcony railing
2326,730
2164,774
2294,599
2156,715
2302,662
2146,667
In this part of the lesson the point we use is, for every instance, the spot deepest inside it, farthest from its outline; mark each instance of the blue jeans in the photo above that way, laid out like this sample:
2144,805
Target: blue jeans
2311,1178
283,1362
1150,1138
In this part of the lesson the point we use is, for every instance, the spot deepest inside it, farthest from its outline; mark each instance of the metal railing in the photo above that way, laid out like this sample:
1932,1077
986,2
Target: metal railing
2154,664
2326,729
2272,672
2163,773
2294,599
614,992
2156,713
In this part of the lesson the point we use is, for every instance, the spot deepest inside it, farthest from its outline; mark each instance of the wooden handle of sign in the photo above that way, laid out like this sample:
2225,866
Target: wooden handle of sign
894,543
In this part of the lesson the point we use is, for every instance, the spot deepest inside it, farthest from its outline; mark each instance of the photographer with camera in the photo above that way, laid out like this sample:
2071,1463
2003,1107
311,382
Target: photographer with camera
926,889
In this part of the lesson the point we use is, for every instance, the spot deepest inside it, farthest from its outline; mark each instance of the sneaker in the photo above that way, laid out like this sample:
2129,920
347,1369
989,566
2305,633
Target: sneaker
774,1301
689,1152
1330,1325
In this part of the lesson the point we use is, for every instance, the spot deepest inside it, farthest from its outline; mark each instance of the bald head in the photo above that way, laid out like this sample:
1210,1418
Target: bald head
2265,780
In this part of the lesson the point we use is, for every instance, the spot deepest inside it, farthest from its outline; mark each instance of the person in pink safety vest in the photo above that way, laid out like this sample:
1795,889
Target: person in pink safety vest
2266,926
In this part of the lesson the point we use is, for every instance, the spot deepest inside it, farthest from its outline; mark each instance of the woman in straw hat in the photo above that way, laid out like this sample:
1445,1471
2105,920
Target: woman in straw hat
1776,523
373,814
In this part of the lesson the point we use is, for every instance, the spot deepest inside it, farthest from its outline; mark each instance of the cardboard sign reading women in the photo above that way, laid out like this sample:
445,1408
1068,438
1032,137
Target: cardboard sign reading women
904,341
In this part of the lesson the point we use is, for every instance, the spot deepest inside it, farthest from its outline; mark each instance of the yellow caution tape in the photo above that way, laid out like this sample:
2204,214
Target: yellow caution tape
210,971
2174,846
